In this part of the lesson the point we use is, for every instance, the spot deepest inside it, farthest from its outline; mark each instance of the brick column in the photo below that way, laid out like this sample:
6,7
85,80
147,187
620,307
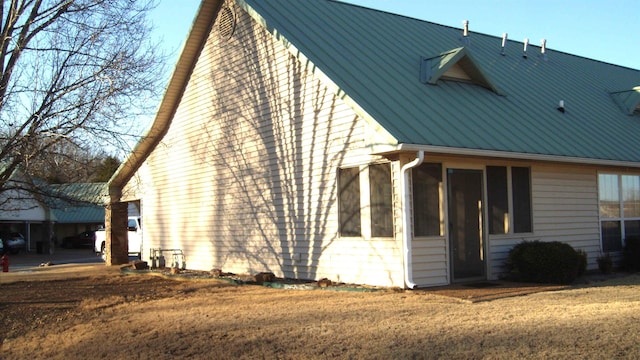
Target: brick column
116,247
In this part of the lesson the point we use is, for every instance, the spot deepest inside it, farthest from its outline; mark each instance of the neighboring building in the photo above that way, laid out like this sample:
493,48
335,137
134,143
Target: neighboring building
319,139
22,212
68,209
79,207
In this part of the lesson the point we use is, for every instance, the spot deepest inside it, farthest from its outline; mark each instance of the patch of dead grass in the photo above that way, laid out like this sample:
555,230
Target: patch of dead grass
153,317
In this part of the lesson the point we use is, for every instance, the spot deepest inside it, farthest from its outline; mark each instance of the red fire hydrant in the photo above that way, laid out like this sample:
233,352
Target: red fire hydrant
5,263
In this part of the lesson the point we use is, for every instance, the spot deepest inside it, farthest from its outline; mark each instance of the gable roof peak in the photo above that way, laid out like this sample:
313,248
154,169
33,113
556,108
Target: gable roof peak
456,64
627,100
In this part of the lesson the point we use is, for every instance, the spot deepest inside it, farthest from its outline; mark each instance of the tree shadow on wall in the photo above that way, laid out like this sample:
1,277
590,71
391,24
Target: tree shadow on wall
271,144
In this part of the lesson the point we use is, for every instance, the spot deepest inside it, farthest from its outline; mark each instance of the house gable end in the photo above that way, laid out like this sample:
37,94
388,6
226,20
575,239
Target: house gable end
380,136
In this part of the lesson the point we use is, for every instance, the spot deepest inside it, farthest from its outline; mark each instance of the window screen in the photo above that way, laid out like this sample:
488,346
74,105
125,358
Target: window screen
497,193
426,199
381,200
521,189
349,201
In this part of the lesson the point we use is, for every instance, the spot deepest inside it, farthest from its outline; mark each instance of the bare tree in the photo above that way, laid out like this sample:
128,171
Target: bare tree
73,73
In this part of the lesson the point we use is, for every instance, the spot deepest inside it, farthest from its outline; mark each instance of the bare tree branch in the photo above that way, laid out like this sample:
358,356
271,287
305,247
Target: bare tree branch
74,75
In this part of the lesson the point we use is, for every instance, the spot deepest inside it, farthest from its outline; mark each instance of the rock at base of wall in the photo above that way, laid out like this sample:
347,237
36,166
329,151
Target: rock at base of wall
264,277
139,265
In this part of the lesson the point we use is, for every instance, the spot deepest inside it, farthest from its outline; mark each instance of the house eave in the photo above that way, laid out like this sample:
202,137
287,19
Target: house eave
443,150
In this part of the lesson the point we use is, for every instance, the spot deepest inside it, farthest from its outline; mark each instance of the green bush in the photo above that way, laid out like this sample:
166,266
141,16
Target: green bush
582,266
605,263
631,254
546,262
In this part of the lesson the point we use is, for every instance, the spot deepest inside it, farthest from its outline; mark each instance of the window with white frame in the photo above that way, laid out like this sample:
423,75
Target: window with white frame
619,207
371,216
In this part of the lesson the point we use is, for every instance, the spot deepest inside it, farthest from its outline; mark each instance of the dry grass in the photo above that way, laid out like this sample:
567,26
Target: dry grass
144,317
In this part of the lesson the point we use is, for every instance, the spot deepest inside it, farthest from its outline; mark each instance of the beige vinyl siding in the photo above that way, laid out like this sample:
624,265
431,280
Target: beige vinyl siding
245,178
430,260
565,208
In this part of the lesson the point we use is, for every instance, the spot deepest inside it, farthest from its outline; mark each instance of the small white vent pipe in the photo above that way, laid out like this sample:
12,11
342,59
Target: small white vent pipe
505,37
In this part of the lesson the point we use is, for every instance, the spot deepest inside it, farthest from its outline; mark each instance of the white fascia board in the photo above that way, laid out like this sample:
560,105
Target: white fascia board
512,155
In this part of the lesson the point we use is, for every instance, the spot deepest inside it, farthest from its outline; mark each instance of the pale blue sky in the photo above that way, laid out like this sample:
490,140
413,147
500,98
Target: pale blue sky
605,30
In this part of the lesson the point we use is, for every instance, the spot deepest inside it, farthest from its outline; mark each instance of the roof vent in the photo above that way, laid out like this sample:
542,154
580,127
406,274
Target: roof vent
524,49
465,32
543,49
561,106
226,23
505,36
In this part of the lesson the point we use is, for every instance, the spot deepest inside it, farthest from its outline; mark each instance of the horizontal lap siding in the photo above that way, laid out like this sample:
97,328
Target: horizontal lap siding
429,261
245,179
565,208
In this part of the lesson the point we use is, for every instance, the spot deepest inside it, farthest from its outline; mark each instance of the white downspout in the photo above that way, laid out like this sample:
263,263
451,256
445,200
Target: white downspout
406,219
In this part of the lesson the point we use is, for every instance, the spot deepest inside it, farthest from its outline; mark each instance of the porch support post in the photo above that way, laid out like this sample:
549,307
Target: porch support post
116,244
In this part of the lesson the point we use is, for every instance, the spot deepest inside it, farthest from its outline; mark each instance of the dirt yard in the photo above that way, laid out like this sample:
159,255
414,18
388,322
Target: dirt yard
110,315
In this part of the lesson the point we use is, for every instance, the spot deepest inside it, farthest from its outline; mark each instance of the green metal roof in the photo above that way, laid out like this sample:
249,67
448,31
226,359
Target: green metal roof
78,203
79,215
374,58
88,193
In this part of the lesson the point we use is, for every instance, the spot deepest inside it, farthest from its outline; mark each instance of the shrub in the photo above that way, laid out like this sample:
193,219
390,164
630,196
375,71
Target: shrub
605,263
545,262
631,254
582,266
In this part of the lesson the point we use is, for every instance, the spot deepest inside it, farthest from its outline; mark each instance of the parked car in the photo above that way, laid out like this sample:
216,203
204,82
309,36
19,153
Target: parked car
85,239
13,242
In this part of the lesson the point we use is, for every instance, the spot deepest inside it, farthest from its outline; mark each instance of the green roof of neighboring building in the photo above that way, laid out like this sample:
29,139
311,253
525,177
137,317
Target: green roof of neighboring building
374,58
85,204
91,193
79,215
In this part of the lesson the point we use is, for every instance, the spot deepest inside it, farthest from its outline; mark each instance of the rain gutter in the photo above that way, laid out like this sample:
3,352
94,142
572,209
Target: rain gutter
516,155
406,219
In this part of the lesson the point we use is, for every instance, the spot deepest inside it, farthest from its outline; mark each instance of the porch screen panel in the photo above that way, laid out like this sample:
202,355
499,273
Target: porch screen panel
426,199
381,200
498,198
521,189
349,201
